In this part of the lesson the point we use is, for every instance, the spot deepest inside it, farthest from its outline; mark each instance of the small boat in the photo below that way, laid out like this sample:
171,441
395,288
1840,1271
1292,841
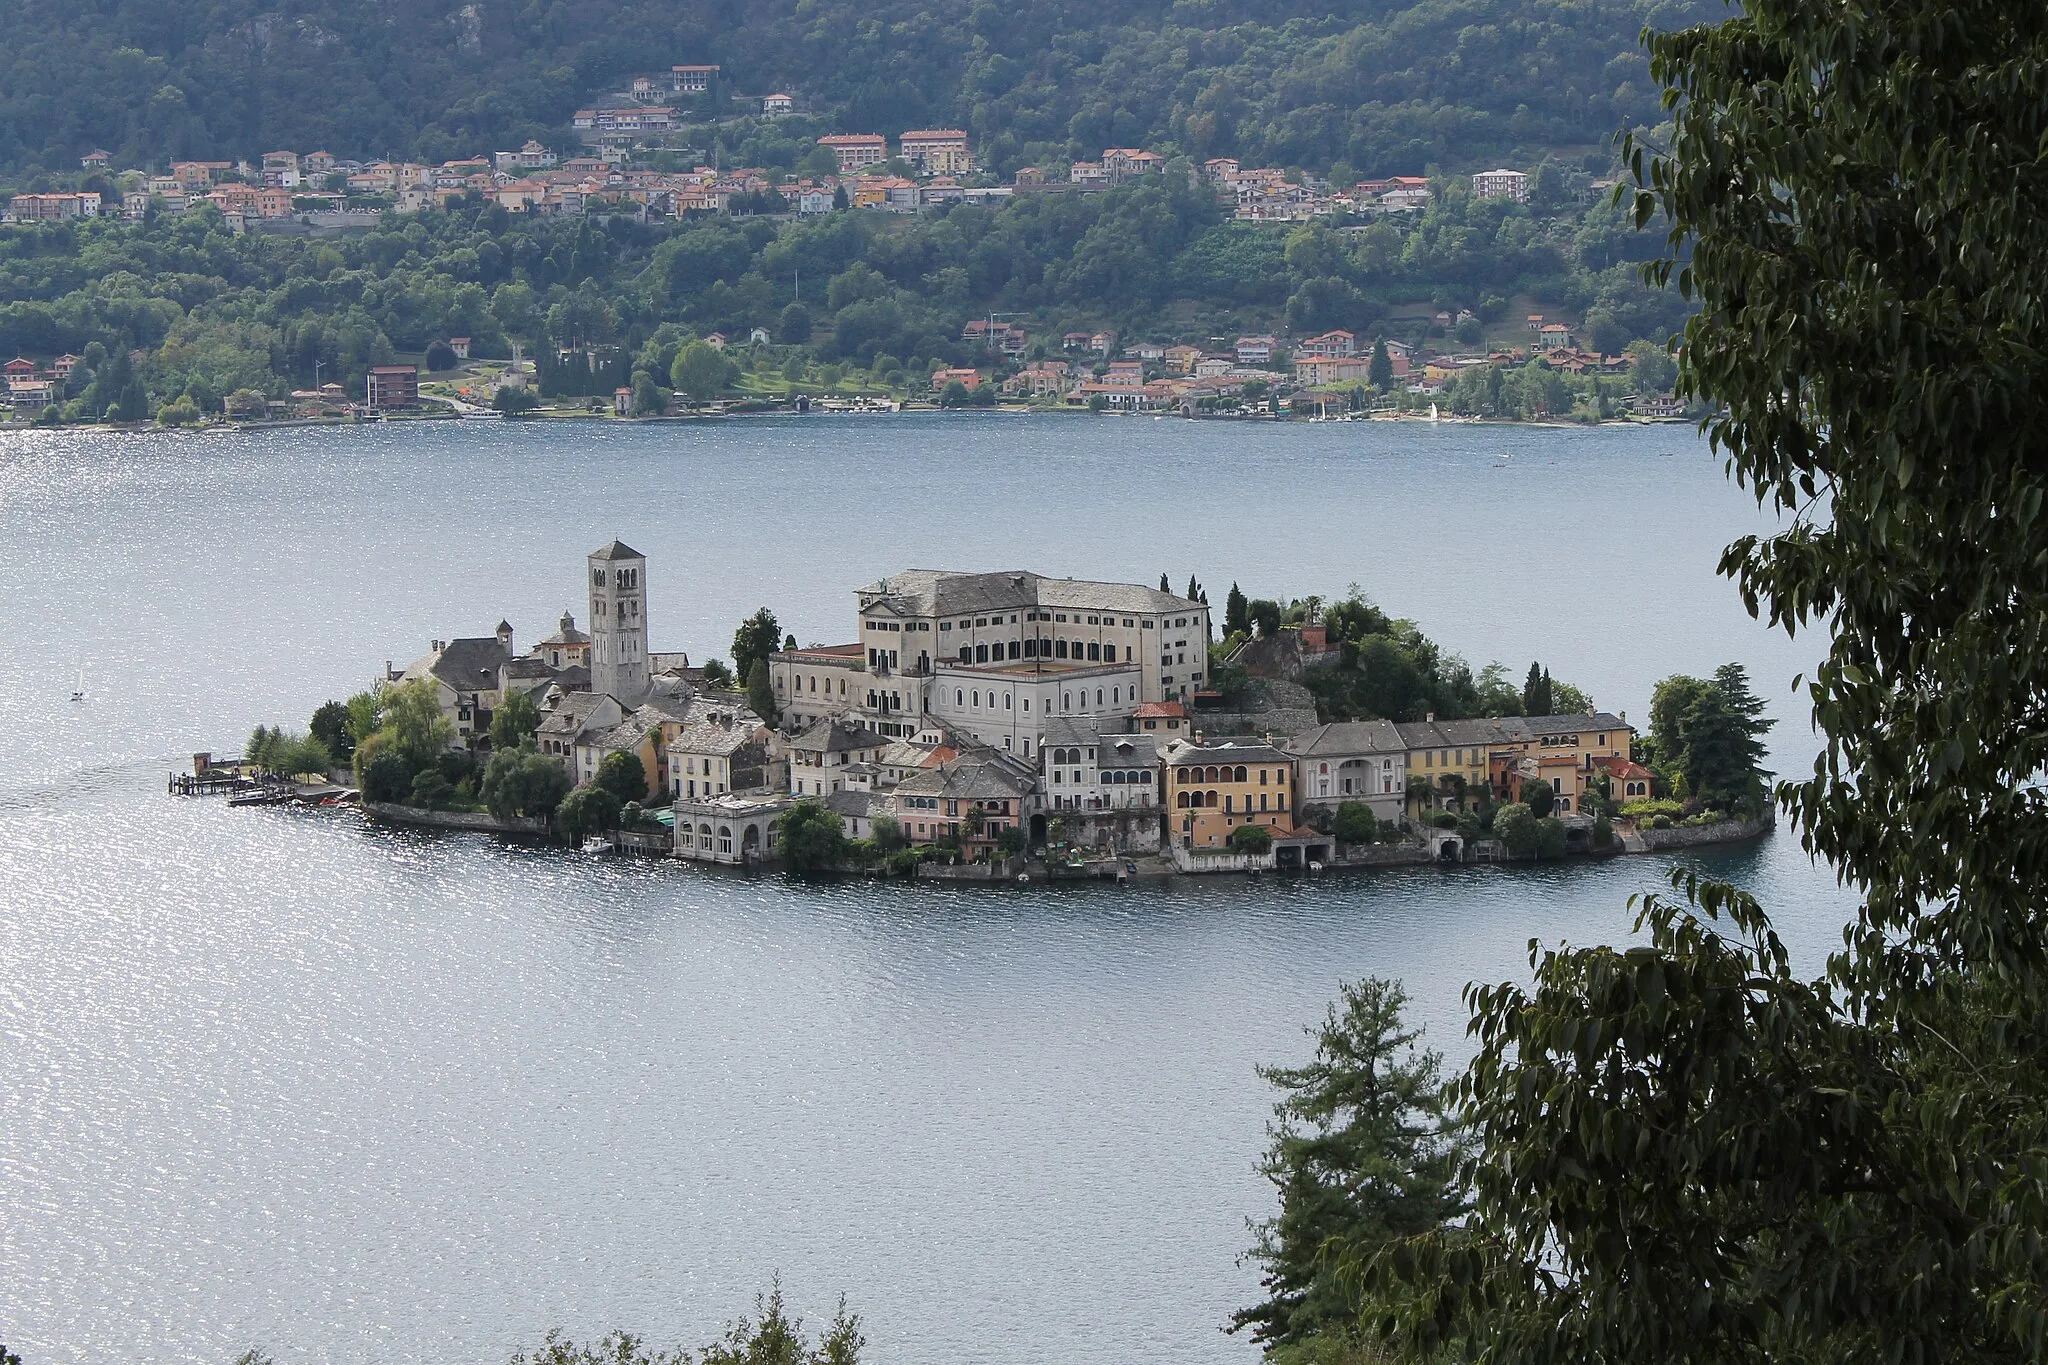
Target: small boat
597,843
79,694
262,798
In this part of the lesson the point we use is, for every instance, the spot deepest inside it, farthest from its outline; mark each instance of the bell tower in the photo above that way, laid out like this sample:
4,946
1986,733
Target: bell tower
618,623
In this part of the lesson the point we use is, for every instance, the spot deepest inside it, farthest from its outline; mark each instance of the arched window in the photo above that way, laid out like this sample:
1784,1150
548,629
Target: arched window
725,838
959,697
1098,696
1240,774
1109,653
1094,650
1015,648
1212,799
981,654
1181,800
966,654
1210,776
1059,649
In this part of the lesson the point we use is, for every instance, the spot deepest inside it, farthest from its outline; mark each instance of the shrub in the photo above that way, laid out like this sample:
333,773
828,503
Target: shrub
1603,833
1444,819
586,811
1251,839
1355,824
1550,837
383,775
1646,810
430,790
1661,822
1515,826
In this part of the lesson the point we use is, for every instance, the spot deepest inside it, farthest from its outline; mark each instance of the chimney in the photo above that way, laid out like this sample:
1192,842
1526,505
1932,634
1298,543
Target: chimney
1624,717
1429,717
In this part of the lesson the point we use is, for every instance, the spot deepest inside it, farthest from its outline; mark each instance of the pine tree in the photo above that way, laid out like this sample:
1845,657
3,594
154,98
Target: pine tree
1359,1154
1536,692
1236,613
1164,584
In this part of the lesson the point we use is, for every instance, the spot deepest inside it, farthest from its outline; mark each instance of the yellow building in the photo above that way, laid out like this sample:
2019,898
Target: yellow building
1456,758
1214,787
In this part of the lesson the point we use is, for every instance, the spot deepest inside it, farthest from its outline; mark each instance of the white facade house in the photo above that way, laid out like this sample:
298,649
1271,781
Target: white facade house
1364,760
1090,766
1009,706
1501,184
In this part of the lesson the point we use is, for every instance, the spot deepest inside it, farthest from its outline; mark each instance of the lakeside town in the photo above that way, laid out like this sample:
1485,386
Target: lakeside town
983,725
1448,357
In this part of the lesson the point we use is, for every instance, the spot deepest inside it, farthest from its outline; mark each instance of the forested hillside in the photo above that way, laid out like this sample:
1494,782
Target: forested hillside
1384,86
211,311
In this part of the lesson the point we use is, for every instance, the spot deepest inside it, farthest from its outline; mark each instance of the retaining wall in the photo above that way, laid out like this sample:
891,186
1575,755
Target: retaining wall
475,822
1725,832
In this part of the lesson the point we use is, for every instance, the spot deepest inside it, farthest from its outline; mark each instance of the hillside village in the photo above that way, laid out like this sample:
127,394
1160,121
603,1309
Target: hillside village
624,170
979,715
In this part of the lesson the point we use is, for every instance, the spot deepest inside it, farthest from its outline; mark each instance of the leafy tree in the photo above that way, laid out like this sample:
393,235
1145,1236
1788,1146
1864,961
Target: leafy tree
716,675
1538,797
1253,839
1568,700
1010,842
754,641
382,774
761,693
1722,733
1498,696
1355,824
431,790
813,839
1514,824
522,782
1264,615
590,809
794,327
699,372
623,775
514,399
1359,1157
1670,700
514,722
1687,1151
330,725
441,356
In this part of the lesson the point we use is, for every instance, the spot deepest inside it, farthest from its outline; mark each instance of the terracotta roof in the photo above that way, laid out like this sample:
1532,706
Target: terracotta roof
1160,709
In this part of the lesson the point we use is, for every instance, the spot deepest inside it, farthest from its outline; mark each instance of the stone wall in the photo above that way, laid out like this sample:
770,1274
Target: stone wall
476,822
1725,832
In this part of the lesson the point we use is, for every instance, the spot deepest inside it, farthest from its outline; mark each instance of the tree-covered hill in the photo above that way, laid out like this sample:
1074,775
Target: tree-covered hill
1384,85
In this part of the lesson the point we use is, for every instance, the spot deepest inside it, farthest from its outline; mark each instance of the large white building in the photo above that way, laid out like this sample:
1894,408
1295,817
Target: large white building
618,622
996,656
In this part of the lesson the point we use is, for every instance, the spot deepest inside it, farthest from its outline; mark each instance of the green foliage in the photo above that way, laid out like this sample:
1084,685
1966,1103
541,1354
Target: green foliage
1537,692
514,399
588,810
514,722
274,750
771,1337
812,838
519,781
757,637
431,791
1538,797
1707,736
716,675
699,373
330,725
383,775
1255,839
1355,824
440,356
1515,825
761,692
1687,1152
1643,810
887,834
1010,842
623,775
1360,1157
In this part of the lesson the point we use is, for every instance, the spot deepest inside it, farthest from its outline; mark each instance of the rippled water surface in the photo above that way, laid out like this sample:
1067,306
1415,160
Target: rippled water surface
278,1078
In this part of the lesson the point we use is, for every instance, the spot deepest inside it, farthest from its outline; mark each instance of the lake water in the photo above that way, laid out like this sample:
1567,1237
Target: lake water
276,1078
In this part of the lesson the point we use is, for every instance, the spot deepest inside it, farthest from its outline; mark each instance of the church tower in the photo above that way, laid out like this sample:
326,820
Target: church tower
618,623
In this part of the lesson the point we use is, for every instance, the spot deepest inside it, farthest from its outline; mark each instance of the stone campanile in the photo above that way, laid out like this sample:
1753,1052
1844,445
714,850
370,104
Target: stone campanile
618,622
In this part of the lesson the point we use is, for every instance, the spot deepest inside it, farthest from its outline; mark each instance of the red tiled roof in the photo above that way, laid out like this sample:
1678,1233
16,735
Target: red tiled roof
1162,708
